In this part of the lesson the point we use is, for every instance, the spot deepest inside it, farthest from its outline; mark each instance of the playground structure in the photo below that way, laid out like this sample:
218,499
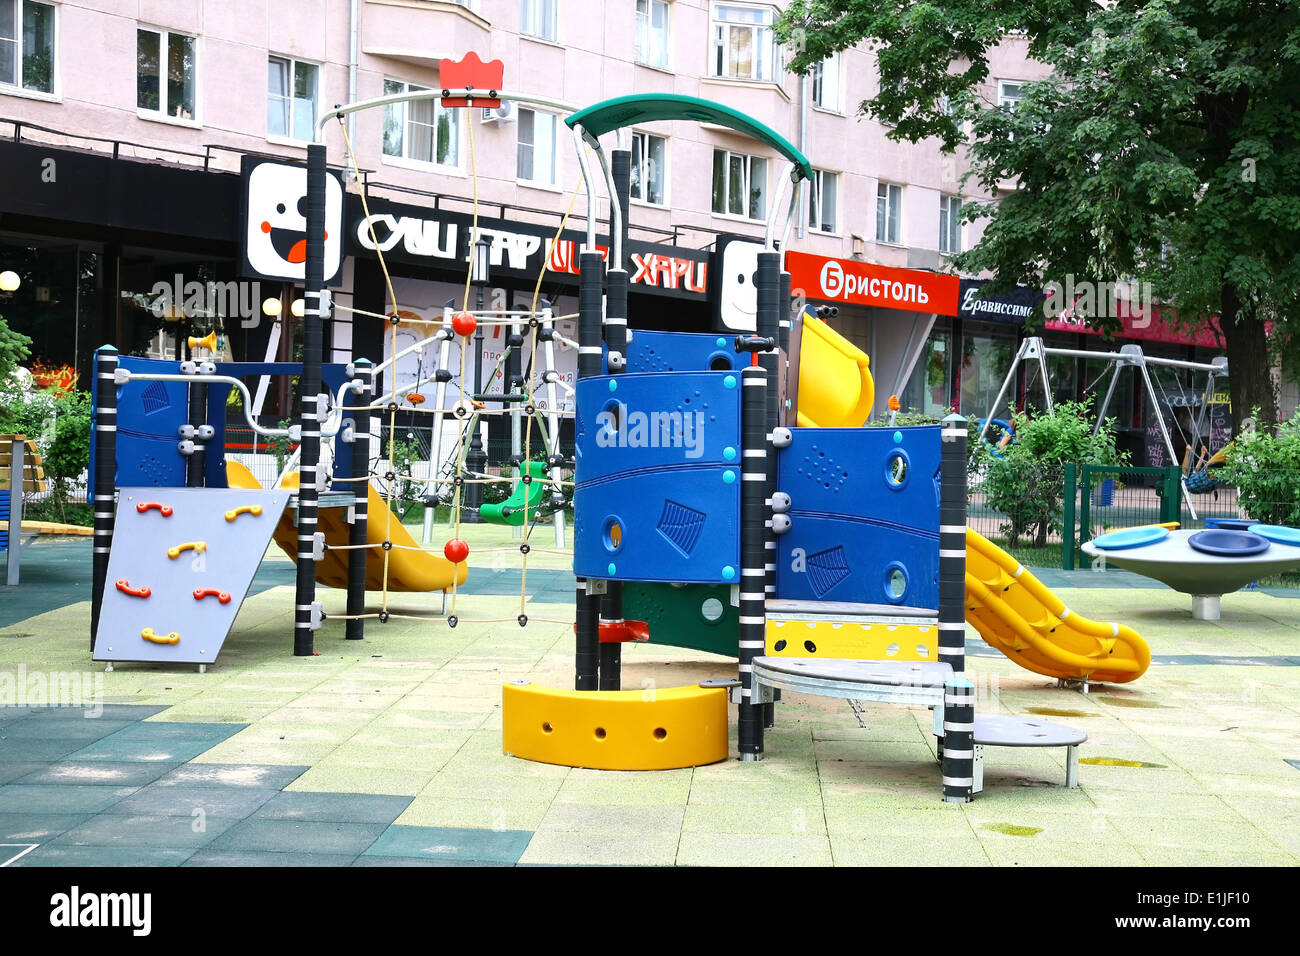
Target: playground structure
1195,462
764,508
1205,564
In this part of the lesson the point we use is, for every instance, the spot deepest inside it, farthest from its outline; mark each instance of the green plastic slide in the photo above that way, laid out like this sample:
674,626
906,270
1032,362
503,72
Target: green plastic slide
515,509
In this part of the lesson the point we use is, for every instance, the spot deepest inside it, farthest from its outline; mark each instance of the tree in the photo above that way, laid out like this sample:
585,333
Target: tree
14,350
1163,148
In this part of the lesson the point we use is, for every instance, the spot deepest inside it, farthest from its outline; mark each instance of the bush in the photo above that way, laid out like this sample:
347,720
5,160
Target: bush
1027,483
60,426
1265,468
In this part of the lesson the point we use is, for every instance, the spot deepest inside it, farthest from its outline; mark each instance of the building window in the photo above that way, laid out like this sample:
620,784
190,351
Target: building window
537,18
649,168
536,154
889,213
420,130
823,192
166,73
826,83
1009,93
739,184
27,45
949,224
652,33
291,98
744,46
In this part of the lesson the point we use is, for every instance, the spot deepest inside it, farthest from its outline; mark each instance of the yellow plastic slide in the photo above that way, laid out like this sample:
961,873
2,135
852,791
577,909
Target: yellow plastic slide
835,385
416,570
1016,614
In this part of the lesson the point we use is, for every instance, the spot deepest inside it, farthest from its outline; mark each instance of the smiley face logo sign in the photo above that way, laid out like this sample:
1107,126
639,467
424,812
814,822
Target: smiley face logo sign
274,236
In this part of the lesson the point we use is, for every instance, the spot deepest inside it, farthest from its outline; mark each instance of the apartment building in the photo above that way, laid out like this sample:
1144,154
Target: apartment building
147,107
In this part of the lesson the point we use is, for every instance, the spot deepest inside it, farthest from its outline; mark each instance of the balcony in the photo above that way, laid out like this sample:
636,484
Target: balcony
422,32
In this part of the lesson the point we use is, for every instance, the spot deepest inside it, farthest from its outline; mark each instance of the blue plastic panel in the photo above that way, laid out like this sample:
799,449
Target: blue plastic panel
139,556
864,516
657,494
680,352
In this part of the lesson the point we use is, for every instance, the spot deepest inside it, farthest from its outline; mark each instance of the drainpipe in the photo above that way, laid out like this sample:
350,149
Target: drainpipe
353,58
802,215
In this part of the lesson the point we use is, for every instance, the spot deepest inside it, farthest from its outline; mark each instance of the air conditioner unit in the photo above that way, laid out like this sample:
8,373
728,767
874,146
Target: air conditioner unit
499,114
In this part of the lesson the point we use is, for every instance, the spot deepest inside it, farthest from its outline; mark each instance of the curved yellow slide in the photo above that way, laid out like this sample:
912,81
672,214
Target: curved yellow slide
408,570
1015,613
835,385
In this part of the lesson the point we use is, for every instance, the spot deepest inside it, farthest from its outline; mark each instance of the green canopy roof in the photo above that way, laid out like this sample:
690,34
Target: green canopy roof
601,118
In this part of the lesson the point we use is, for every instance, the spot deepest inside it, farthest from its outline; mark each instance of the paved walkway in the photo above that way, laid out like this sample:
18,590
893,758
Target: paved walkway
389,751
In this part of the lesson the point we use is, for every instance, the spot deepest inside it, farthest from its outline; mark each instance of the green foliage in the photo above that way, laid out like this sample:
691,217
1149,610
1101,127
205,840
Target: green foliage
29,413
14,350
68,454
1027,484
1265,467
1164,146
60,426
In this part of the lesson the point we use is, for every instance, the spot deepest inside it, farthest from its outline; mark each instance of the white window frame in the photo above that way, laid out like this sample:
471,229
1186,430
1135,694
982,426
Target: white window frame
645,137
950,224
556,151
816,202
164,112
644,23
1011,101
406,158
766,50
541,10
18,88
893,200
293,64
748,162
817,84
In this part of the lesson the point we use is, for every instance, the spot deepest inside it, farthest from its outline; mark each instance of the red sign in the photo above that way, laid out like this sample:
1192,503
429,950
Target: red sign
1146,325
863,283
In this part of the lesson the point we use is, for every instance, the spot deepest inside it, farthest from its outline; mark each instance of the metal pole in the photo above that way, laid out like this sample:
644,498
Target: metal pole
1006,384
358,555
105,478
590,273
753,519
309,398
476,460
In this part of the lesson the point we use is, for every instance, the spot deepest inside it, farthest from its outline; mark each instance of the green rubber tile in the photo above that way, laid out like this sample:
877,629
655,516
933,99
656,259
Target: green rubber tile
16,771
62,855
331,777
1036,851
160,730
1144,779
619,819
60,798
891,850
181,801
1199,857
101,773
404,717
1229,785
242,858
485,846
500,788
105,711
1230,833
474,814
772,819
869,820
753,849
299,836
377,861
625,788
251,776
32,750
1048,792
332,807
235,750
40,728
294,716
35,827
426,759
163,751
601,848
471,759
146,830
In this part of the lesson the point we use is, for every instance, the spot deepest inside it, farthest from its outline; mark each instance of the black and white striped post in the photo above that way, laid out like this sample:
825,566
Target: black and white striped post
198,417
959,693
586,618
355,629
952,543
769,308
105,477
753,534
309,397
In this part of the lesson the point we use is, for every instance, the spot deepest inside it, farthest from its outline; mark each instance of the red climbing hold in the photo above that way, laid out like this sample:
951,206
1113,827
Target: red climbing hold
164,510
462,323
140,592
456,550
201,593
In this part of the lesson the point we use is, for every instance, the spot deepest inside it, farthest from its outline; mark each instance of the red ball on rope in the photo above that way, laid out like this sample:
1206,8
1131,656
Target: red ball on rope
456,550
463,323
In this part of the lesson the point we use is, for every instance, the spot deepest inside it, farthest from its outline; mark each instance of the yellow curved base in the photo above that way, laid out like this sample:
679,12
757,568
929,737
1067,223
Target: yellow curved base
861,642
835,385
416,570
1015,613
615,729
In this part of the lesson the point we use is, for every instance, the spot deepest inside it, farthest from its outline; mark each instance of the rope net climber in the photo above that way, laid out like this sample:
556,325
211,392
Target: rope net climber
466,409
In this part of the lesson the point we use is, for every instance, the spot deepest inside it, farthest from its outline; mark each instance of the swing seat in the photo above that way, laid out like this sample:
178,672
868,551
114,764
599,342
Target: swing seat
1200,482
523,499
